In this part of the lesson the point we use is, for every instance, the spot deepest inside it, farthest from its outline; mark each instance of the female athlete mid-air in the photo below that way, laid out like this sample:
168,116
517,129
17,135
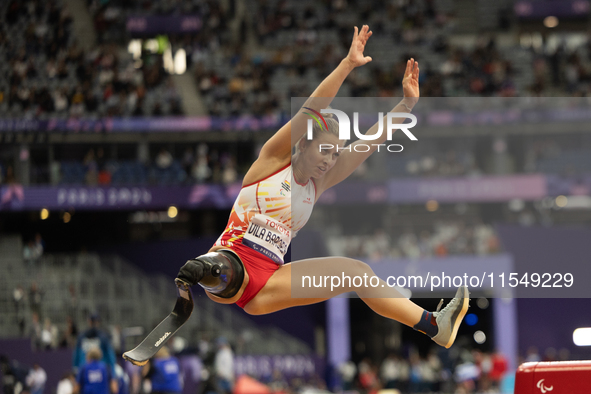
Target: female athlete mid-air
276,199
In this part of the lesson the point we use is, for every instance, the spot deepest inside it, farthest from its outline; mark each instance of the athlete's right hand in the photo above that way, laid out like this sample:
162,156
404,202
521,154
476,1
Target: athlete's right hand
355,56
192,272
410,82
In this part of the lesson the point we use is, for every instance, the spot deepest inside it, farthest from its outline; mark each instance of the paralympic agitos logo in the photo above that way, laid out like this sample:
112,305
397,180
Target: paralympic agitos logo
345,129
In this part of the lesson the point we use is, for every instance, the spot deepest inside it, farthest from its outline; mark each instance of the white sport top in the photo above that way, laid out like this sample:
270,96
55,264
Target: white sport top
267,214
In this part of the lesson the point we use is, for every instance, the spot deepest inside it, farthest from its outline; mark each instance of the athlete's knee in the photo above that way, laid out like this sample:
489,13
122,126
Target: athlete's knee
357,267
221,273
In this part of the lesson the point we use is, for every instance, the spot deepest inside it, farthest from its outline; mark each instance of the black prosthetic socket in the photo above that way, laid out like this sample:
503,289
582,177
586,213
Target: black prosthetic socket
220,273
195,270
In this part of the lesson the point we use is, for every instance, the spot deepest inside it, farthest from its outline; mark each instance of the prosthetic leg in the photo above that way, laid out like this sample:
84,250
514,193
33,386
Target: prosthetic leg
220,273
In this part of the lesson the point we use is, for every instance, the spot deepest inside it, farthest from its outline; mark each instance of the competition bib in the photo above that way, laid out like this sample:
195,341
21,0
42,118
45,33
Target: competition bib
267,236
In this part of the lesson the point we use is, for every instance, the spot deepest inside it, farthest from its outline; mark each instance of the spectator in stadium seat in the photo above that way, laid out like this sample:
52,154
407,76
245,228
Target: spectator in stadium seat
201,170
14,191
35,298
104,174
368,376
91,168
394,372
68,338
18,298
229,174
347,371
35,330
48,335
499,369
164,159
157,110
31,253
188,160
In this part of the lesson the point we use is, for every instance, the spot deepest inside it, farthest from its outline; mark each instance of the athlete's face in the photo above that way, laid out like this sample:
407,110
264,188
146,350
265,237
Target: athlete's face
321,154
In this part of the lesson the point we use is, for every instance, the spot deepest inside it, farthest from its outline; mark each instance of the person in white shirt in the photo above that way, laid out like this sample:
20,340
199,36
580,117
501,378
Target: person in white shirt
224,366
66,385
36,379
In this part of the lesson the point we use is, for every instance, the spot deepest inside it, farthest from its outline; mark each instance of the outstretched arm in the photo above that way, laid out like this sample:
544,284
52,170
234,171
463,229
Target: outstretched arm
280,145
349,159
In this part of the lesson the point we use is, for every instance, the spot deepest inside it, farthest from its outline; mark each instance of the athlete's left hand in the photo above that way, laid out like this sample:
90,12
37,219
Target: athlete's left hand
410,82
355,56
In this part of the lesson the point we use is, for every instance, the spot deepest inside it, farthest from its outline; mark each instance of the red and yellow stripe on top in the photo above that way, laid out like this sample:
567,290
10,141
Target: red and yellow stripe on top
273,197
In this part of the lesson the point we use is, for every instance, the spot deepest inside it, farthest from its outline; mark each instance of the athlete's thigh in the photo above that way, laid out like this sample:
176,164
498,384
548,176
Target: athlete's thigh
298,283
276,294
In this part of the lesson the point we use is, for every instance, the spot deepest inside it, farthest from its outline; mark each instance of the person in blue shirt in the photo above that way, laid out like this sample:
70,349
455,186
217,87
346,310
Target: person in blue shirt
94,337
122,379
163,371
94,377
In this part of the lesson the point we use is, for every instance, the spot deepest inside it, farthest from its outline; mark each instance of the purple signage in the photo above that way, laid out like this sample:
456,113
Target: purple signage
163,124
481,189
114,198
163,24
54,362
291,366
575,186
559,8
273,122
416,190
413,190
354,192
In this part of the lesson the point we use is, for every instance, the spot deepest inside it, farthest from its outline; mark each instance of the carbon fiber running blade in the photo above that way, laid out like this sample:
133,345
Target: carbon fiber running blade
167,328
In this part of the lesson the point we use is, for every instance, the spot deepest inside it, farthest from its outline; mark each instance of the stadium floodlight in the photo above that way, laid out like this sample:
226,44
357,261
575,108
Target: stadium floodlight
582,336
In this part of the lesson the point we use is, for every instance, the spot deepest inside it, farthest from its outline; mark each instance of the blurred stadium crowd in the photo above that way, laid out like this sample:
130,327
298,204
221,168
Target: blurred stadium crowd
194,167
279,50
459,370
177,164
446,238
47,73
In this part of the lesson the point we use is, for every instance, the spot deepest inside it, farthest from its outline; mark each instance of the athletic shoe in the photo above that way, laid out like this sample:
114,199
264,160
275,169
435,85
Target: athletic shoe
449,319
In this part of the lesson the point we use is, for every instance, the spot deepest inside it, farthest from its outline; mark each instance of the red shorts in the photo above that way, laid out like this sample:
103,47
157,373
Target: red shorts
259,268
